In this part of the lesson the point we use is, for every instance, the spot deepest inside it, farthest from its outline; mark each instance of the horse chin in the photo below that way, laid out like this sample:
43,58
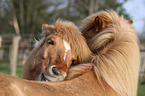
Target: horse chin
45,77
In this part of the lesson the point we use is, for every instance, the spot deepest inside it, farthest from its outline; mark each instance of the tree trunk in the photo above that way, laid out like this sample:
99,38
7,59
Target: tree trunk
15,21
91,8
96,5
143,72
21,3
29,16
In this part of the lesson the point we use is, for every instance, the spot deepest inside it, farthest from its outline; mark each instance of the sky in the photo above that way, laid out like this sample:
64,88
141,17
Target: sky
136,10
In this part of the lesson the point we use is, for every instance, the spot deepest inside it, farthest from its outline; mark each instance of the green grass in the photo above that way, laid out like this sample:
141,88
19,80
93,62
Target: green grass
141,89
5,68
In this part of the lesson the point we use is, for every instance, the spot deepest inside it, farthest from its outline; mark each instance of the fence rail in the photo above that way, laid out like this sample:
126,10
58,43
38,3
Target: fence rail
25,46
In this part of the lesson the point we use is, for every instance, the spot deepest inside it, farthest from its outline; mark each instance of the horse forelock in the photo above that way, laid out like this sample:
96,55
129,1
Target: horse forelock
118,61
70,33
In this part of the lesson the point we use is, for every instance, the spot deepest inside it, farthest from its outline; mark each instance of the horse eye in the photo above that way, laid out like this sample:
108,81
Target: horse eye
73,61
42,58
50,42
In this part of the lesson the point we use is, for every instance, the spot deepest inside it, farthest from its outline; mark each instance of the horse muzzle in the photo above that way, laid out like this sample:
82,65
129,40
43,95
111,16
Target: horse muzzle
52,74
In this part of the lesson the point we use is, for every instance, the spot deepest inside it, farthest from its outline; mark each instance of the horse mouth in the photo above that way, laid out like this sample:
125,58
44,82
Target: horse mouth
46,77
52,73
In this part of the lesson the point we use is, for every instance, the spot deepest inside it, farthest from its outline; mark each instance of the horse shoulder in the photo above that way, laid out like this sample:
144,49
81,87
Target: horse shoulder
87,85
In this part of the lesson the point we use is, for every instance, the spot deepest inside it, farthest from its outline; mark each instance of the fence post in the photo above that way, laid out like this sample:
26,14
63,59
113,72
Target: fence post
1,50
13,55
0,41
143,76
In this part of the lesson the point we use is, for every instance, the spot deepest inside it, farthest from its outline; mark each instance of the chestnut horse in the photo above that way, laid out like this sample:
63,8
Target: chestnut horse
61,46
114,42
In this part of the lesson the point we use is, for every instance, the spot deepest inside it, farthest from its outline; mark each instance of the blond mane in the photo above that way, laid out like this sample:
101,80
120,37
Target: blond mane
117,52
69,32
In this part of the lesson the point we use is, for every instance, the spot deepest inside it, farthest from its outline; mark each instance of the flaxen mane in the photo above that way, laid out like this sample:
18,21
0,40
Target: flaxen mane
69,32
116,51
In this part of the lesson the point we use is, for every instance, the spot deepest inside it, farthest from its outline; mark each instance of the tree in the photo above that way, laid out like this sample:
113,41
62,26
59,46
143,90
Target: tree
97,5
24,15
76,10
27,16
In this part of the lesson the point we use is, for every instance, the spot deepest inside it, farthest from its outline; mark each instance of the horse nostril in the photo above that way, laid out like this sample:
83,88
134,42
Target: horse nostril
55,71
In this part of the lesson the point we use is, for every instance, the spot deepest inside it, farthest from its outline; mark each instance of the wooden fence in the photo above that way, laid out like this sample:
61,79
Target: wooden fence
14,50
142,66
7,43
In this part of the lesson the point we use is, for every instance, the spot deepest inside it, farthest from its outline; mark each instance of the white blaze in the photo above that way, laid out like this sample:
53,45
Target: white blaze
67,47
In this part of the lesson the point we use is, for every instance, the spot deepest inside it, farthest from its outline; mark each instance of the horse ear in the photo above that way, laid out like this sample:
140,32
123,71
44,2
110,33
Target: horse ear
47,29
99,23
130,21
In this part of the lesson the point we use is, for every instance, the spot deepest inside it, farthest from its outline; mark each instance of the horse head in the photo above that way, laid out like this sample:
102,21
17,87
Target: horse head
61,46
56,55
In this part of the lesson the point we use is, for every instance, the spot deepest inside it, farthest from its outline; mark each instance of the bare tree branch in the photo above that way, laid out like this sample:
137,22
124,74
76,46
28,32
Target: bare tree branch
15,21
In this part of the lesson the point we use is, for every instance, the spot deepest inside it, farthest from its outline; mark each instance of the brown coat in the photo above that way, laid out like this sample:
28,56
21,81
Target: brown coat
82,82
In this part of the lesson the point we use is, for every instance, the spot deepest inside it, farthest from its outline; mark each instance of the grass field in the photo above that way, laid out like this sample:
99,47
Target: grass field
5,68
141,89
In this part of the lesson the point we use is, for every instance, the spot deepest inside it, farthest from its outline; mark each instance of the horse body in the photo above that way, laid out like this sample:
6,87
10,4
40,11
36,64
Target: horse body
81,82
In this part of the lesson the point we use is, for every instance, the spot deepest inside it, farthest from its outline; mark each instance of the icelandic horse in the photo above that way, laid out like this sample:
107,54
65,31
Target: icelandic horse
114,70
117,57
80,80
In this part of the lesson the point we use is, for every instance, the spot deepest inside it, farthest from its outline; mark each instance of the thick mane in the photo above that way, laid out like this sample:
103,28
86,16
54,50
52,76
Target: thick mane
69,32
117,52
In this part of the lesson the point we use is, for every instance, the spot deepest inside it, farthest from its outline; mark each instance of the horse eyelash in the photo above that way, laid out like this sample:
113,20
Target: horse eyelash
73,61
